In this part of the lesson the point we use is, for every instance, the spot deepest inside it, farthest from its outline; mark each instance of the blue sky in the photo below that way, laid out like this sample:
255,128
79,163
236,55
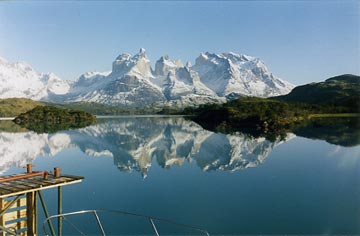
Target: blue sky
300,41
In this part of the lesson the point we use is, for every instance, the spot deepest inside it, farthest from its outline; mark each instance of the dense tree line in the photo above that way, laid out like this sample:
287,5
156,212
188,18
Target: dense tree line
50,119
258,114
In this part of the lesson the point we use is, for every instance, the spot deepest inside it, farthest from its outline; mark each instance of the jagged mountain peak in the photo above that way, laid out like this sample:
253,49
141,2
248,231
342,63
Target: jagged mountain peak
142,51
213,78
226,56
123,57
234,75
138,64
164,66
141,55
239,57
164,58
128,56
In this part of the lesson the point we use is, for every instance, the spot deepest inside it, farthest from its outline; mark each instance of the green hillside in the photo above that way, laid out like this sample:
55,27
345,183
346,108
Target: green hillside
12,107
343,90
275,115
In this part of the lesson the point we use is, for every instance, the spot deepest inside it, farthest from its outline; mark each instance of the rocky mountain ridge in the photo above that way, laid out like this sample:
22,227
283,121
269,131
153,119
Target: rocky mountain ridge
215,78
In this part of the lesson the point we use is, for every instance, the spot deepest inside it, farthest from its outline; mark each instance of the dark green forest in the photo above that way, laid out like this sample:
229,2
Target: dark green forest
51,119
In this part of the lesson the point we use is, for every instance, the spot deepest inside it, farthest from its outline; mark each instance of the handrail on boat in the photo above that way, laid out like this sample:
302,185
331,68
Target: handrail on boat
8,231
95,212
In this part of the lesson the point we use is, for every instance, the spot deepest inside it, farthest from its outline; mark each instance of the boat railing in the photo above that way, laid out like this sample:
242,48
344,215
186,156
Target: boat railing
152,221
8,231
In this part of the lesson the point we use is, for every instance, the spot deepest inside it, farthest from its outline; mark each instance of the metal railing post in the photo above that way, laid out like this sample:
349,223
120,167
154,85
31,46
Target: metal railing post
59,211
46,213
154,227
99,223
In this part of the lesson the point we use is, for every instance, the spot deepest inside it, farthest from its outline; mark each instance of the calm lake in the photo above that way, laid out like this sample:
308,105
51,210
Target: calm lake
172,168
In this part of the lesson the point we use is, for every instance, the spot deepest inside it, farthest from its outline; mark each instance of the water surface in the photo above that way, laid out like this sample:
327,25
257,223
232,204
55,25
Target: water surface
169,167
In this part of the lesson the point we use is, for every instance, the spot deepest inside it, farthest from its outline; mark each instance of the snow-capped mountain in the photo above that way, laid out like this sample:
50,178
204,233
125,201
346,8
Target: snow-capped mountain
215,78
178,81
21,80
128,84
233,75
132,82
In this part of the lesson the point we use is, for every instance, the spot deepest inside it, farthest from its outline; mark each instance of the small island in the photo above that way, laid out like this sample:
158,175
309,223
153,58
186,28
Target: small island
51,119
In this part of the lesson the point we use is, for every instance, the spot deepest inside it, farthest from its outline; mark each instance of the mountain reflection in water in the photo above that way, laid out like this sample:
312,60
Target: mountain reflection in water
133,143
301,187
